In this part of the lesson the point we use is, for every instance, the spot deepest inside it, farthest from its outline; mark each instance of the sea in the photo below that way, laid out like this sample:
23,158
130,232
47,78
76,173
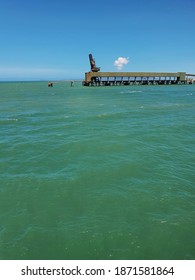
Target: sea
97,173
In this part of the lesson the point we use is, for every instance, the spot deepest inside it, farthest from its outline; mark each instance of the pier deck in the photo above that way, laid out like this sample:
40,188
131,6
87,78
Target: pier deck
130,78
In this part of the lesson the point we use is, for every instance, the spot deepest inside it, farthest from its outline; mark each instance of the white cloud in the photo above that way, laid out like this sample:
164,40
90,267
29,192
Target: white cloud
120,62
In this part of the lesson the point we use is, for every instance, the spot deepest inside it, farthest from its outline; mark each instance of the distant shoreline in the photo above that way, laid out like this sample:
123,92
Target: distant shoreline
41,81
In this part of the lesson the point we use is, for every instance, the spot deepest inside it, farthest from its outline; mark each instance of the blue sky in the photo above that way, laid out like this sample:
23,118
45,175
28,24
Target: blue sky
47,39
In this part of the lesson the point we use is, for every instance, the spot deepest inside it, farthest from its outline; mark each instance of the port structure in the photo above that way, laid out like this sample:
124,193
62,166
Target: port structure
97,78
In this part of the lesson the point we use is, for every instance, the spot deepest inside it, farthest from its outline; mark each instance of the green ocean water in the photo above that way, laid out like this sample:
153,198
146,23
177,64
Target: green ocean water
97,172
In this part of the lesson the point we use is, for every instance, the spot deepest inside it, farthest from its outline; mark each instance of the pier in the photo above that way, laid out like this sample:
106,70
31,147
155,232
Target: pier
133,78
97,78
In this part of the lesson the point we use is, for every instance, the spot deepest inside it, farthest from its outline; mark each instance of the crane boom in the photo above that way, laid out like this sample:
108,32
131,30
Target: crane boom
94,68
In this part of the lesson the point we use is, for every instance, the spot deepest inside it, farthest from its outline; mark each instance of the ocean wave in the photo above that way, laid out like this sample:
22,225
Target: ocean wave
7,120
130,91
113,114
